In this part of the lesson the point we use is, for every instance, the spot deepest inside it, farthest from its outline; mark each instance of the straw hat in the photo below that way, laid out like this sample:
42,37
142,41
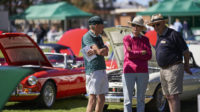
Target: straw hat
156,18
138,20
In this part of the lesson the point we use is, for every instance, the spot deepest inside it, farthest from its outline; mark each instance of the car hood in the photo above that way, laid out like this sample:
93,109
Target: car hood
115,35
19,49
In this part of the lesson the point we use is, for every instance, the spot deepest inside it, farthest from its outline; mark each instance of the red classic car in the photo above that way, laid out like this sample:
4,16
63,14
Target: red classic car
46,83
62,49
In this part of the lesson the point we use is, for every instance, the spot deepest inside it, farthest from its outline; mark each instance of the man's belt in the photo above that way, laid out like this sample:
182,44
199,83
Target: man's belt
165,67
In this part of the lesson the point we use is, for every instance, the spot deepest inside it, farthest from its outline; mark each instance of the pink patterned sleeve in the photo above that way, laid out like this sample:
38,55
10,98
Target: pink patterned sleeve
130,54
148,55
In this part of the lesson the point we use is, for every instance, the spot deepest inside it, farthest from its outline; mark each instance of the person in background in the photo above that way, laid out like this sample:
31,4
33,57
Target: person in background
28,28
170,49
137,52
96,78
40,32
185,30
13,27
51,34
59,34
177,25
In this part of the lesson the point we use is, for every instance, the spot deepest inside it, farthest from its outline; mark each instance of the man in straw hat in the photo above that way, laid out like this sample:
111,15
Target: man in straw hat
96,78
137,52
170,48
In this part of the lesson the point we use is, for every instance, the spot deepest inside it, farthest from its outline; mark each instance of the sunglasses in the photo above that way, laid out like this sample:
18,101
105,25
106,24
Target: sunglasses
134,25
158,24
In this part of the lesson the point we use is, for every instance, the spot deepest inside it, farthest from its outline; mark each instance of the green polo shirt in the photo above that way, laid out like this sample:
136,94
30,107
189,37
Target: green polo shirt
98,63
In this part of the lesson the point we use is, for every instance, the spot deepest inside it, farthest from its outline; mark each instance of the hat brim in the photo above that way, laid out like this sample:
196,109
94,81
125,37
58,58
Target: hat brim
144,27
152,23
129,22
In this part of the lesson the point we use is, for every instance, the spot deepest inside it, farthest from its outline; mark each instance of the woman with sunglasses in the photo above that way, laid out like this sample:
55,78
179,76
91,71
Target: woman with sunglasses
137,52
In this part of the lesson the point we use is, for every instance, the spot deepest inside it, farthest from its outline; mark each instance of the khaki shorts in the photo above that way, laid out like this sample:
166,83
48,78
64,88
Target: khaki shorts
172,79
97,82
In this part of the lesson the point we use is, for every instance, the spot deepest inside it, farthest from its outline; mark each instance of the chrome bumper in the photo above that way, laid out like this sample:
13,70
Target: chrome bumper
120,99
25,94
114,99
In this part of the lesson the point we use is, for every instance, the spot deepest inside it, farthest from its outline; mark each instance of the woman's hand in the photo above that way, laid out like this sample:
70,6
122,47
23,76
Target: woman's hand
129,48
144,52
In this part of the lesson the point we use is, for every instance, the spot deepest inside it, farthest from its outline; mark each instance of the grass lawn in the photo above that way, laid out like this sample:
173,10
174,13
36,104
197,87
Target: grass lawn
78,104
74,104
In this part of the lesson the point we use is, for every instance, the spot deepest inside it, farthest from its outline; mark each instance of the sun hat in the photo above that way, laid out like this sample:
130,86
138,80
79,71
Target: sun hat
138,20
95,20
156,18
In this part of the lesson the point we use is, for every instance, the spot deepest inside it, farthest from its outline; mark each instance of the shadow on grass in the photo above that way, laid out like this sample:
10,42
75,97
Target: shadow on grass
186,106
66,104
118,110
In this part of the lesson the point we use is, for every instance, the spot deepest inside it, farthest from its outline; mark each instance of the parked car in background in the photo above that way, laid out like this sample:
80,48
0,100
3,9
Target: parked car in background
194,47
191,83
50,79
63,50
60,60
71,57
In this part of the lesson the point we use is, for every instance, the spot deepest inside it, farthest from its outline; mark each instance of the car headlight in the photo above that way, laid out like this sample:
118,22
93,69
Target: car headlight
32,80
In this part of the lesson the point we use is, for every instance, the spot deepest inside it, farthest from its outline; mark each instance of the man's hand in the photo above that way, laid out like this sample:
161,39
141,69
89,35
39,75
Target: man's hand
104,51
90,52
186,60
187,69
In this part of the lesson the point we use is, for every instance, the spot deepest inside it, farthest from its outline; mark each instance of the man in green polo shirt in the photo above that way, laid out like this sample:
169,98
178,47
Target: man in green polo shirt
96,78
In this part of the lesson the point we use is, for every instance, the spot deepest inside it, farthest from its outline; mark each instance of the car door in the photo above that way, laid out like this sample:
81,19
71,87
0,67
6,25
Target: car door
191,83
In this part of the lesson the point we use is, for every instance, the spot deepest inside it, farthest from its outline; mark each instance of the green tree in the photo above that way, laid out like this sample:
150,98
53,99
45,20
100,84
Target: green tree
86,5
13,5
151,3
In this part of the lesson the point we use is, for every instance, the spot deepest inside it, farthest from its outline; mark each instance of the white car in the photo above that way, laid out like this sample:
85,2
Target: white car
191,84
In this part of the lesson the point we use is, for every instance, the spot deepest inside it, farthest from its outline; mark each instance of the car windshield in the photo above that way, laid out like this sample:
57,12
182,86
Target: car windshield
51,49
57,60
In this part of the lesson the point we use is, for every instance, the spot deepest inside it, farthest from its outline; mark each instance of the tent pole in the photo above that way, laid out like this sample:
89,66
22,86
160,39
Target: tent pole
193,21
170,20
65,25
49,23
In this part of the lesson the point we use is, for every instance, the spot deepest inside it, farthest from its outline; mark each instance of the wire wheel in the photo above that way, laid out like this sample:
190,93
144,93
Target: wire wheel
48,94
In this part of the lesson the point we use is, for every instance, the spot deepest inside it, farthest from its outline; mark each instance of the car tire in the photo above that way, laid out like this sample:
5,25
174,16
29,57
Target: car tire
48,95
158,103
